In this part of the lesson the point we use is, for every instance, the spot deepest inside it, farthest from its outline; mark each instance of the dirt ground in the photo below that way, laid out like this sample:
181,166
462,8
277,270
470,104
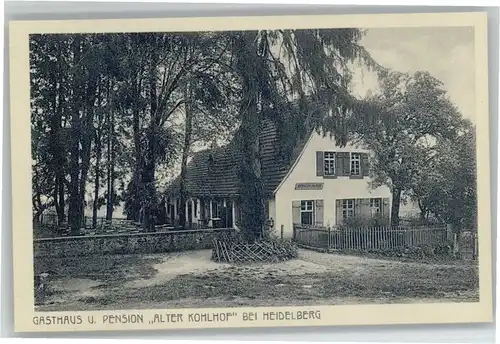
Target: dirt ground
191,279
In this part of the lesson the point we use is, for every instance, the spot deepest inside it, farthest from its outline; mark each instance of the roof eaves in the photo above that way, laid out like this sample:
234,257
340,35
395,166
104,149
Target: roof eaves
297,159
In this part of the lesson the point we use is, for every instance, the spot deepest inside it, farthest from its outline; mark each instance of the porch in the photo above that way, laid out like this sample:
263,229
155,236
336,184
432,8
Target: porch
204,212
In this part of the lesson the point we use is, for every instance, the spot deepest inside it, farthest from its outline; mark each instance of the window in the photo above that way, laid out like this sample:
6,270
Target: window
306,212
347,208
355,164
178,206
215,209
375,205
329,159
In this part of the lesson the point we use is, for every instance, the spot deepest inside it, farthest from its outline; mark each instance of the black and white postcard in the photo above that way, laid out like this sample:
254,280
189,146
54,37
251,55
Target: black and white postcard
250,172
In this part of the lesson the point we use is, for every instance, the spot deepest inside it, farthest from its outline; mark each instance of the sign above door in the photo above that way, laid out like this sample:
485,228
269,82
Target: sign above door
309,186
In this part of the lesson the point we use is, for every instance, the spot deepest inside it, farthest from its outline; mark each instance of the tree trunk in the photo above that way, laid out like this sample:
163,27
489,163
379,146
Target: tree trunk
57,148
74,192
74,214
148,176
188,128
85,165
136,198
87,136
423,212
148,179
251,187
55,195
111,167
98,147
396,202
95,207
62,203
59,211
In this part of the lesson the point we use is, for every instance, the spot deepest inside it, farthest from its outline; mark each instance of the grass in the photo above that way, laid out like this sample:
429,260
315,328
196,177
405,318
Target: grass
408,282
435,259
110,269
369,281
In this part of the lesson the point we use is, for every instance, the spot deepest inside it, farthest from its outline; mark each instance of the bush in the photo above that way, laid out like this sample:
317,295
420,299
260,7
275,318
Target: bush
415,252
418,221
443,250
363,222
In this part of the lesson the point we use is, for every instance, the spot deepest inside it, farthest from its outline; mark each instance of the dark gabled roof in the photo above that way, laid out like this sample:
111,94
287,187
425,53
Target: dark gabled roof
214,172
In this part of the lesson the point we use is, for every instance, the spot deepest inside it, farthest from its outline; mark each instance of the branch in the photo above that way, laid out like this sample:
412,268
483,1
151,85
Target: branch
216,60
168,114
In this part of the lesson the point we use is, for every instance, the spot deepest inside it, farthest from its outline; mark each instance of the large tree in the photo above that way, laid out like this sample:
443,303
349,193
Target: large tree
446,190
401,124
49,65
210,93
71,84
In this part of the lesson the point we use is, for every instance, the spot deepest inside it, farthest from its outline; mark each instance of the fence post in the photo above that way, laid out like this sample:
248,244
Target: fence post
282,229
329,238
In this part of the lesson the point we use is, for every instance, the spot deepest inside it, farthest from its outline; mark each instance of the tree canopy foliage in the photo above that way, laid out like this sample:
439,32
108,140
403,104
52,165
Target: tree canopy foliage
417,135
109,109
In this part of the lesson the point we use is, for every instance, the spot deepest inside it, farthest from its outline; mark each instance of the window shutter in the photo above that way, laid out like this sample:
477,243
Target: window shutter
319,213
339,162
347,164
343,164
386,210
338,212
320,164
296,212
365,164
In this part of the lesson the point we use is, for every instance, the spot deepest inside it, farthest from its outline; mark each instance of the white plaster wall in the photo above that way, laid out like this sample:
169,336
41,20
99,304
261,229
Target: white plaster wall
305,172
409,209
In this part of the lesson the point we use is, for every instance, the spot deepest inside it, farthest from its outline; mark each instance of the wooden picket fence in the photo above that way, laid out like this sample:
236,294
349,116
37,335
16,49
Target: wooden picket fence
366,238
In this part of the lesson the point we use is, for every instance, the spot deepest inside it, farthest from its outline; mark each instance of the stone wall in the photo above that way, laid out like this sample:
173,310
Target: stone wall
145,243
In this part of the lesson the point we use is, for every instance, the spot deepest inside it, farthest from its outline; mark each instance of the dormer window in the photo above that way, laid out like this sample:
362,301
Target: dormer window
355,164
329,163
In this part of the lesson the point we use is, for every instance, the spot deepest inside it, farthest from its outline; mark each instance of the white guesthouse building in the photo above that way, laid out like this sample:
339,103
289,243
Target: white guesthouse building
320,185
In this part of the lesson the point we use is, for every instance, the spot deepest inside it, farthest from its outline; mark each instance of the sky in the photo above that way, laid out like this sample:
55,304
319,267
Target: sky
445,52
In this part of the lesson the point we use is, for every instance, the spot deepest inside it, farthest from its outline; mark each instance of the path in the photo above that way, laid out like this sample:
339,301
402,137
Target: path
191,279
